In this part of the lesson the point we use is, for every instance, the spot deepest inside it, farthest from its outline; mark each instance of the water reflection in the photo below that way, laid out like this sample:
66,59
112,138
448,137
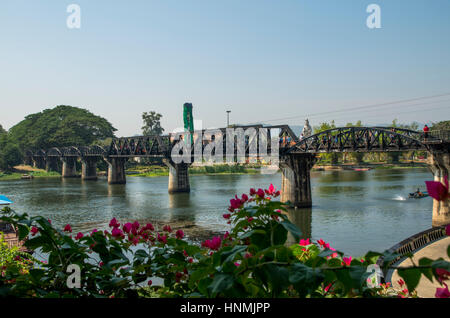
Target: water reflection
302,218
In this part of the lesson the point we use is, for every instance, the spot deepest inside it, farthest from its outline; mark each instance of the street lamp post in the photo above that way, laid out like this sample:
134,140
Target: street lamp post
228,118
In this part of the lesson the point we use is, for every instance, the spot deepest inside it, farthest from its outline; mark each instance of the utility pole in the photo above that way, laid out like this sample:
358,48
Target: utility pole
228,118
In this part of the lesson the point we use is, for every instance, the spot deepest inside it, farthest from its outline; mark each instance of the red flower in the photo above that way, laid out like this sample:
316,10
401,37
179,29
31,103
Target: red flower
179,234
260,193
447,230
79,235
226,215
68,228
149,226
162,239
304,242
150,283
114,223
442,292
235,204
437,190
167,228
244,198
127,227
443,274
34,231
213,244
347,260
252,192
116,232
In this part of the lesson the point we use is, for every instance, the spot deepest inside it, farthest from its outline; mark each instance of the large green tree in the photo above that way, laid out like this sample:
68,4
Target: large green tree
59,127
442,125
10,156
152,124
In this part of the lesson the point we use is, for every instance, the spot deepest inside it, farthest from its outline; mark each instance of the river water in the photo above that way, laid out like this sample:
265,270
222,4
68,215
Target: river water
355,211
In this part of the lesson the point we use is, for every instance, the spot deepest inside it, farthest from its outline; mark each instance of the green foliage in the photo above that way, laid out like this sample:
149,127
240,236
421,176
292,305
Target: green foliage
60,127
250,261
442,125
152,123
10,156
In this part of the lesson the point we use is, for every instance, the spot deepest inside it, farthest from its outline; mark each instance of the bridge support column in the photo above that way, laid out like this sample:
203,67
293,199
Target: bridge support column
178,177
296,179
69,167
116,170
89,168
439,164
52,164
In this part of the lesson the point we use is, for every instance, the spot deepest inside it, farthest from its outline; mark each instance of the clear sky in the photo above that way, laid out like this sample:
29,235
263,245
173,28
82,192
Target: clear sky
261,59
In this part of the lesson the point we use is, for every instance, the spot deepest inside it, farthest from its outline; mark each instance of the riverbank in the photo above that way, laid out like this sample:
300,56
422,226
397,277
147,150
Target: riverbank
369,166
22,170
157,171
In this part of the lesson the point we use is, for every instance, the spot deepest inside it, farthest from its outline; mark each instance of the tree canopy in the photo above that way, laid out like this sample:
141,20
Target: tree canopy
442,125
152,124
61,126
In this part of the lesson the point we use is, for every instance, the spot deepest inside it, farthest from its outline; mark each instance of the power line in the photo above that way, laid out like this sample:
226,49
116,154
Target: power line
358,108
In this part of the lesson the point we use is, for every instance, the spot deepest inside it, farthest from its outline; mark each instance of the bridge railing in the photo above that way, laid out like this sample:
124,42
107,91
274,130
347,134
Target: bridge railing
443,135
412,244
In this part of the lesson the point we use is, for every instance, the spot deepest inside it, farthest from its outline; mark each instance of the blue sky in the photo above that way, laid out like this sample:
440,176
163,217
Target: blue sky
261,59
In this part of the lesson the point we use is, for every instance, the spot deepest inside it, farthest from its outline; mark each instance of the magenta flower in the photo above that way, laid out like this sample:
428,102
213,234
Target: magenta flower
116,232
79,235
437,190
179,234
149,226
442,292
252,192
260,193
167,228
114,223
213,244
443,274
226,215
447,230
93,231
162,239
150,283
304,242
244,198
68,228
347,260
34,230
235,204
127,227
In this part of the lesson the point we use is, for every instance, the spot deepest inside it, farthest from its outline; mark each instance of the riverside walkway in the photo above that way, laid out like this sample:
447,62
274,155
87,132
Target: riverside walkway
433,251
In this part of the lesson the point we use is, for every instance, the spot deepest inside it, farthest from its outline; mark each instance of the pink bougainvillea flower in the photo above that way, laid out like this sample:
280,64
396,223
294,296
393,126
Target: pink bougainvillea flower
304,242
250,219
49,221
327,288
321,242
437,190
127,227
235,204
79,235
443,274
213,244
244,198
442,292
271,190
347,260
248,255
94,231
260,193
252,191
116,232
167,228
179,234
226,215
34,230
447,230
162,239
114,223
100,264
149,283
68,228
149,226
136,225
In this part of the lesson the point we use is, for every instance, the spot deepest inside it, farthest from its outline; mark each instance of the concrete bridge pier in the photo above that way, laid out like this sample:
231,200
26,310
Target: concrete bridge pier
116,170
52,164
89,168
439,164
69,167
296,179
178,176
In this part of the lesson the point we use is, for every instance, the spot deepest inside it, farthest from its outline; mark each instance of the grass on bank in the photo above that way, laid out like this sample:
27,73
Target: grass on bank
156,171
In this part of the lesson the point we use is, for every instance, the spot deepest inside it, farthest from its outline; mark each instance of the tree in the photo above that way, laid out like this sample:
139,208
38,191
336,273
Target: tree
332,157
152,124
10,156
61,126
442,125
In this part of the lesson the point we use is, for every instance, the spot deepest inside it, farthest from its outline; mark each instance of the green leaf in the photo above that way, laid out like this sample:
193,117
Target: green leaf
220,283
279,234
23,231
411,276
293,229
428,272
230,255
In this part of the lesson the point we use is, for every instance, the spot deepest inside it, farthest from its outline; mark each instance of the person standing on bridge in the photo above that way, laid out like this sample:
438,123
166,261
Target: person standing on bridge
425,131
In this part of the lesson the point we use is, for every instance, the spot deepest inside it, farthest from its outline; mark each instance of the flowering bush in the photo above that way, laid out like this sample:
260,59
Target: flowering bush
252,260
